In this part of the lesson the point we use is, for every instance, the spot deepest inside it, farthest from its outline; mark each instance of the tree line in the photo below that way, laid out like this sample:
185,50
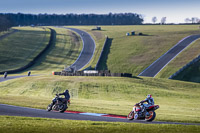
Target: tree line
74,19
5,24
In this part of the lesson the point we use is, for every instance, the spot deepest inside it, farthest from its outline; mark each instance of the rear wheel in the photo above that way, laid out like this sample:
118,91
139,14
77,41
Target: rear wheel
151,116
131,115
63,107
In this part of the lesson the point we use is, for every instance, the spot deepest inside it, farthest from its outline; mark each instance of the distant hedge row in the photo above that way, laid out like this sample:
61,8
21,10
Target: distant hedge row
74,19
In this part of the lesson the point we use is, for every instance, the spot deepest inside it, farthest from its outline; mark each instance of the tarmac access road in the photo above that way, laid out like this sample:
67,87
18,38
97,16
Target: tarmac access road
87,51
160,63
10,110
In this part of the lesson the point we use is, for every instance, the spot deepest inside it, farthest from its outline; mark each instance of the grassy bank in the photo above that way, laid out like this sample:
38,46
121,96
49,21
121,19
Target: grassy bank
191,73
181,60
132,54
19,48
63,53
43,125
178,100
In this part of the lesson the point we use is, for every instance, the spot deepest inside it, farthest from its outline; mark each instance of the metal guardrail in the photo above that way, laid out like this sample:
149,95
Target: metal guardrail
105,73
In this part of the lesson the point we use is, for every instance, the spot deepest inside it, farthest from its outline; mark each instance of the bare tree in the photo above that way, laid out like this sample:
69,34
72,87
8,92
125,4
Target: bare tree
187,20
154,19
195,20
163,20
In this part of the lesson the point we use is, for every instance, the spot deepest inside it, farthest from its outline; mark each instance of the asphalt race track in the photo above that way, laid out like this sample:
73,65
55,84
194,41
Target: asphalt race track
30,112
87,51
159,64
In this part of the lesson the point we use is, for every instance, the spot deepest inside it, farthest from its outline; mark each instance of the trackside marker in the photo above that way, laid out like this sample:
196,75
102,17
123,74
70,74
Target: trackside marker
96,114
92,114
115,116
73,112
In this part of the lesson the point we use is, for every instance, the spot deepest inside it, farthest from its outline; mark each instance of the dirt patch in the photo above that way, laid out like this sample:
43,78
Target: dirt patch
98,35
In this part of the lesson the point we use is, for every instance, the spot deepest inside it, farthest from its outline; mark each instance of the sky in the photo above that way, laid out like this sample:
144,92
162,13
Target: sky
175,10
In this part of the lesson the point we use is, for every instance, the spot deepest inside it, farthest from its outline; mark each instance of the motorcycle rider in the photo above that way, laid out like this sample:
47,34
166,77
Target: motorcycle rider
65,93
150,102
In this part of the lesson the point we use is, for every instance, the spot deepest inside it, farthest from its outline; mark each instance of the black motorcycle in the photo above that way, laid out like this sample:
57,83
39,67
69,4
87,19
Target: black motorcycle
60,105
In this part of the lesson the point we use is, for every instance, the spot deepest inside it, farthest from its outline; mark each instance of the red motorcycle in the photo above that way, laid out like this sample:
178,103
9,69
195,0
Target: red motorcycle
148,115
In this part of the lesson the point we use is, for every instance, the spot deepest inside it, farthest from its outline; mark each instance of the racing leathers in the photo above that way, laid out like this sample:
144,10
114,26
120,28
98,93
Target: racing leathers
150,102
67,97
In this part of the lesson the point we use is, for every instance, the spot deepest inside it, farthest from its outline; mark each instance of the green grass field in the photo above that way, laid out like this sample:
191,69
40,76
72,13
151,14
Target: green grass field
132,54
42,125
64,53
19,48
24,45
178,100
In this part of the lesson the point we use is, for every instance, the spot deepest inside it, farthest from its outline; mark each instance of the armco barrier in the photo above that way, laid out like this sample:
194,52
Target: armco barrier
184,67
93,73
31,63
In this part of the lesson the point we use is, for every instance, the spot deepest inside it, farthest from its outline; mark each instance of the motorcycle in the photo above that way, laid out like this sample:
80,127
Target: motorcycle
60,105
147,115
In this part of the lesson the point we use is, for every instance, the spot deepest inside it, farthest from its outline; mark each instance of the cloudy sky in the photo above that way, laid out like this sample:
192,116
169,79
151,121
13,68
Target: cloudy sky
175,10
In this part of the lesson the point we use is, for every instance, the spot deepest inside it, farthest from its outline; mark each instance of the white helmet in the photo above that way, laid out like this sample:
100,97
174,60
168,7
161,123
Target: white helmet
149,96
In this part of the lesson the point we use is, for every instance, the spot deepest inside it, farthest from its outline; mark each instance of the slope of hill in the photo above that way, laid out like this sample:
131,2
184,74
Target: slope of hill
63,53
132,54
179,101
19,48
181,60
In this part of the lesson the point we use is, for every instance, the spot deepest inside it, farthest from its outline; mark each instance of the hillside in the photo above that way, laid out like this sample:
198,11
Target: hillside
192,72
132,54
63,53
178,100
21,47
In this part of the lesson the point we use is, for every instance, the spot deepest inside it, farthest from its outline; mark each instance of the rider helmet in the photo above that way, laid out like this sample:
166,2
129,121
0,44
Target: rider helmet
149,96
66,91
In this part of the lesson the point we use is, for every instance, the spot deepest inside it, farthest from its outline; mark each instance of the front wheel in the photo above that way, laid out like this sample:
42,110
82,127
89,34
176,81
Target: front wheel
49,107
151,116
131,115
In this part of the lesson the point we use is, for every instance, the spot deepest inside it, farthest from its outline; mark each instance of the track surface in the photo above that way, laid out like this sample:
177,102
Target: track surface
87,51
30,112
159,64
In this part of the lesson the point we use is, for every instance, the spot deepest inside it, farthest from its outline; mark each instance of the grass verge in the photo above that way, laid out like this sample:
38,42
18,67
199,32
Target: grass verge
43,125
179,101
